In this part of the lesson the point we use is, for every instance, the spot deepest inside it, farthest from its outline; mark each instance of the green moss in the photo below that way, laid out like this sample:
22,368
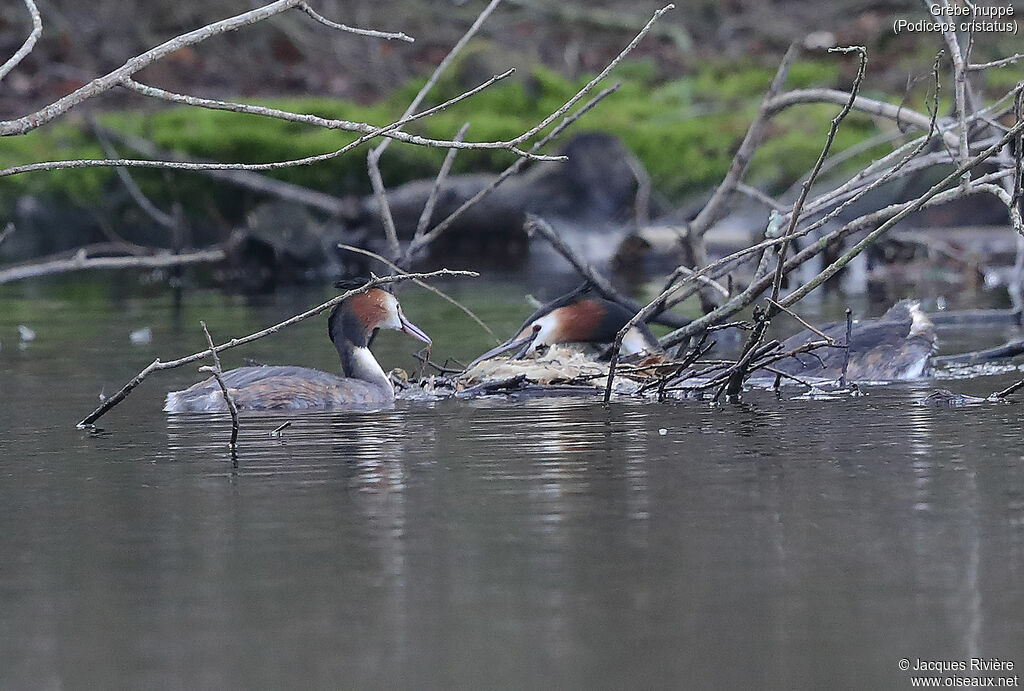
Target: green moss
685,131
61,140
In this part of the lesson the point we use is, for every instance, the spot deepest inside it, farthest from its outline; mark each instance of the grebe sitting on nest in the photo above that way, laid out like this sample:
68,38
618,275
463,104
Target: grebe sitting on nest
351,327
895,347
548,337
578,317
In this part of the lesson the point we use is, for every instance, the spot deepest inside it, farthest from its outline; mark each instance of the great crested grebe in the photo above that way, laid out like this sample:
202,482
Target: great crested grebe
578,317
351,327
896,346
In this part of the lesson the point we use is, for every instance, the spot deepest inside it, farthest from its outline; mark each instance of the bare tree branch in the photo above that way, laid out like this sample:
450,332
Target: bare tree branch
833,268
30,42
388,35
112,79
741,160
959,79
442,174
861,103
415,246
422,284
1012,60
162,218
243,178
82,262
761,283
806,187
373,157
276,165
596,80
326,123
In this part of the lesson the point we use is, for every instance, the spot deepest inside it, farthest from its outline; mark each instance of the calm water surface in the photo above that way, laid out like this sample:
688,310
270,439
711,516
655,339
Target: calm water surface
545,543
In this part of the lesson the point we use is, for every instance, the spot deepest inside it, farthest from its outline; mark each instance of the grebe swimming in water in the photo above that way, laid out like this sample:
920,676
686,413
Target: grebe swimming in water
351,327
897,346
578,317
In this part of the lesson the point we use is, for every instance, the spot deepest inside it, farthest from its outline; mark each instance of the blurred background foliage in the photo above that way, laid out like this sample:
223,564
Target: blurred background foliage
688,93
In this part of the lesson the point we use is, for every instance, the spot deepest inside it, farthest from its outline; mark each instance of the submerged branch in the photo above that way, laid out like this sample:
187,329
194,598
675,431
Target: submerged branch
217,371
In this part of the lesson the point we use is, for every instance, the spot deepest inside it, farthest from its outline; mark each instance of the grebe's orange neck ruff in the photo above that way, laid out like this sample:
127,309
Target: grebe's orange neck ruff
352,325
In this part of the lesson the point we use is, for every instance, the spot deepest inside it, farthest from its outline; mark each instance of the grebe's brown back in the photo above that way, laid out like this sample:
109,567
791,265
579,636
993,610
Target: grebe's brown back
896,346
351,326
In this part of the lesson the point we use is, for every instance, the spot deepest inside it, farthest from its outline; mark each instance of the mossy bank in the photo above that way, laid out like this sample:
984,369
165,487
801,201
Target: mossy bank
684,131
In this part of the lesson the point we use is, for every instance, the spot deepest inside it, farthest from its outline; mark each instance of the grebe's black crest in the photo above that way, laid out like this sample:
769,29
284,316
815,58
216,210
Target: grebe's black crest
586,289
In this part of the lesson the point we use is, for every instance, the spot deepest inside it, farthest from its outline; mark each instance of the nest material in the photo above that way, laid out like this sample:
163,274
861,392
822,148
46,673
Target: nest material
560,364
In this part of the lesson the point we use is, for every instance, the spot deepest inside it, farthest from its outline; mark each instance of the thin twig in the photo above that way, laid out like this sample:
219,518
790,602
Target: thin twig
806,187
779,374
1012,60
1013,388
741,160
275,165
959,80
596,80
243,178
317,121
435,190
536,224
867,105
217,371
763,282
810,327
436,291
441,369
642,197
759,196
162,218
387,35
1018,154
6,232
30,42
111,79
415,246
514,168
846,346
235,342
879,180
935,196
909,208
763,318
373,157
137,63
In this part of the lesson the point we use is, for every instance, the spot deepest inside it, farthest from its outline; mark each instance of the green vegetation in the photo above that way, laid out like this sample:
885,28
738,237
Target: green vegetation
684,131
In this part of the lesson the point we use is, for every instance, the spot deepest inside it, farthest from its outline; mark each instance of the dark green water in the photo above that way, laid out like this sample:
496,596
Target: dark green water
555,543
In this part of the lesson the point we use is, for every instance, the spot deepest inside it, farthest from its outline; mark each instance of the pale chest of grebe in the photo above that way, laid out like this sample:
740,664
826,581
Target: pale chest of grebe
351,326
